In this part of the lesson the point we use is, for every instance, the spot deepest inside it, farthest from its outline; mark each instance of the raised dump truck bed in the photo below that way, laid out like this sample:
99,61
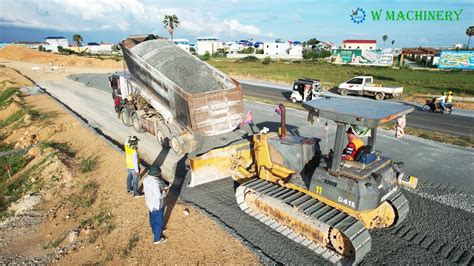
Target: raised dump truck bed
189,96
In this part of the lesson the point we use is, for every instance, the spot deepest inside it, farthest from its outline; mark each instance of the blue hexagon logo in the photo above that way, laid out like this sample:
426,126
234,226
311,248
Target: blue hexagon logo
358,15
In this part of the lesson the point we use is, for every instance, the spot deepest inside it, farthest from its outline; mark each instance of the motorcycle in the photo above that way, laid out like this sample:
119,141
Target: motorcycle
432,105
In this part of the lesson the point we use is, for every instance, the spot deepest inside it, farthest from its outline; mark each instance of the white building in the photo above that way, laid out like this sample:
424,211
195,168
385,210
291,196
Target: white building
359,44
208,44
183,44
54,42
283,50
99,48
233,47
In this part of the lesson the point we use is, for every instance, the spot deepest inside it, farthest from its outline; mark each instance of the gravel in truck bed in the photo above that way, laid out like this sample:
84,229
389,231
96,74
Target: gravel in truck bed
186,71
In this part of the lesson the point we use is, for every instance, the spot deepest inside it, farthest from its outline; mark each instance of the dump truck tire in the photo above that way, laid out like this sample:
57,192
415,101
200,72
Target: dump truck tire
162,139
136,123
125,117
177,145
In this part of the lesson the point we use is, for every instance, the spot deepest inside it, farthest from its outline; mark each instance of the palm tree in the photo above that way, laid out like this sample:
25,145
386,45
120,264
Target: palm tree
469,32
77,39
170,22
384,38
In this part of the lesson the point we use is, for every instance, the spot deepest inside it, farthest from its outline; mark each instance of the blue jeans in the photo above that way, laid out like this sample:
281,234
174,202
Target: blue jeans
156,222
132,176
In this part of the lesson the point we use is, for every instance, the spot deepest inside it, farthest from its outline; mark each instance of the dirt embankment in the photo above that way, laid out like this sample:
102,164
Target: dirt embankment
65,200
22,53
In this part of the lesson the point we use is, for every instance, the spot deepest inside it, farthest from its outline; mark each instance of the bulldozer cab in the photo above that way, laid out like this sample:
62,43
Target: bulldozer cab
355,112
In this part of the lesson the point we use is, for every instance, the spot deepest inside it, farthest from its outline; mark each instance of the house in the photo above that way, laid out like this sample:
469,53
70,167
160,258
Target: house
208,44
326,45
283,50
54,42
359,44
99,48
183,44
232,47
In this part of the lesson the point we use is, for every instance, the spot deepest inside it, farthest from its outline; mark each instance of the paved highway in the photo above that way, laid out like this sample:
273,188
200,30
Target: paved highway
451,124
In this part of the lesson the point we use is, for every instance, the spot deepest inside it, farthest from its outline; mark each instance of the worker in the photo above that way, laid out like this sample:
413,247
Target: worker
132,159
354,145
155,193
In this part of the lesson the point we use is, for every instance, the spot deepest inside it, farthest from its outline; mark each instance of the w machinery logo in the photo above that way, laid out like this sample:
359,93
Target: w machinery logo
358,15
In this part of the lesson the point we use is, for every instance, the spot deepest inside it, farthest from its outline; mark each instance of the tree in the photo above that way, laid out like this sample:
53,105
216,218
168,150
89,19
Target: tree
77,39
170,22
384,38
469,32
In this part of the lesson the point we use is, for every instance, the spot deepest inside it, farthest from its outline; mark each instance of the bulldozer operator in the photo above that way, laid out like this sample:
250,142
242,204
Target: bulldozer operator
353,147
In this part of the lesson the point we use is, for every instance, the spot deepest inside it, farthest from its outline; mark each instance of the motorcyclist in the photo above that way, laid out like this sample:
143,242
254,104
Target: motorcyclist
449,99
442,100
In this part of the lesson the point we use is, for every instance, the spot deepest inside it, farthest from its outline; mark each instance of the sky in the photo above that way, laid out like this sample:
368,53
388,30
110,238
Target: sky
114,20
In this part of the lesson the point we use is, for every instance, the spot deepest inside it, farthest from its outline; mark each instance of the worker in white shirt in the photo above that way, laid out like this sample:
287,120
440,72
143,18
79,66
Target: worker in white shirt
155,192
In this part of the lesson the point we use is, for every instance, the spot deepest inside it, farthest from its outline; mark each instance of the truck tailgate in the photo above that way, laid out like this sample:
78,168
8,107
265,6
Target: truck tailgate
216,113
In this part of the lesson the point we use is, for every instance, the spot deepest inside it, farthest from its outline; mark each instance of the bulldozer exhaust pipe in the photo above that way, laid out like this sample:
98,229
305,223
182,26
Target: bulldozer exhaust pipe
282,121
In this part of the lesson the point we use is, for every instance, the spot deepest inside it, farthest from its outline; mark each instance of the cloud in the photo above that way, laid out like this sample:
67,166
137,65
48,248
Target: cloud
127,16
236,27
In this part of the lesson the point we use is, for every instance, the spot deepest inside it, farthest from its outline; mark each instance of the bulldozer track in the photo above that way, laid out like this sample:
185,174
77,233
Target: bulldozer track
437,247
313,209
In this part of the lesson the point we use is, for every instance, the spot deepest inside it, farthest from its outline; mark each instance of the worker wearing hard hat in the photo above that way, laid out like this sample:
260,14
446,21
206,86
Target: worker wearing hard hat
132,160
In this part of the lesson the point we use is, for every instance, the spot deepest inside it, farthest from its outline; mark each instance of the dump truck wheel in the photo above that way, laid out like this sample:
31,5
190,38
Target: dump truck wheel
343,92
136,123
125,117
162,139
176,145
379,96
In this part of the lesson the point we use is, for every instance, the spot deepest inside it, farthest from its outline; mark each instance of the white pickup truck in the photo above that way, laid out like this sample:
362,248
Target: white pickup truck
363,85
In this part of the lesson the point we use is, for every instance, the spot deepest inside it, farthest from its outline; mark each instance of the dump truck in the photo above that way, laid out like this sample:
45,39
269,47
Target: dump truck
173,95
317,199
364,85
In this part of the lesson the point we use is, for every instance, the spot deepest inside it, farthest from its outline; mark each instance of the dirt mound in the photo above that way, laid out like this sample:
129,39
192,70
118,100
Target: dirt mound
22,53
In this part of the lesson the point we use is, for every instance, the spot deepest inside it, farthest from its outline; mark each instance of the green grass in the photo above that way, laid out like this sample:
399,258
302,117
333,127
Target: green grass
86,197
62,147
5,147
13,118
88,164
413,81
132,243
6,94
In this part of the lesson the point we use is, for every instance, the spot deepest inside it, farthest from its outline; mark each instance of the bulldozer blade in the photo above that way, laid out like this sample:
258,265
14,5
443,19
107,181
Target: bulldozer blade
217,164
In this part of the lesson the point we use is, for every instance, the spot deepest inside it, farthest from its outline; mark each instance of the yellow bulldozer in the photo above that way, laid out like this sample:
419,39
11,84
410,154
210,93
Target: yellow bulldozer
318,200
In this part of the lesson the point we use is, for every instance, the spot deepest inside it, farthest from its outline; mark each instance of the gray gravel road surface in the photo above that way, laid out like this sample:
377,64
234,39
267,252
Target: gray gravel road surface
438,229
